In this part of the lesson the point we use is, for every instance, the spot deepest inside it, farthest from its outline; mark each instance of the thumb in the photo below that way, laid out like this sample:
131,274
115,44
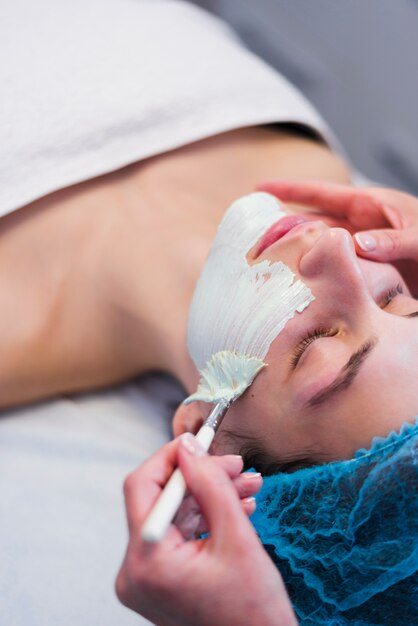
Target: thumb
214,492
388,244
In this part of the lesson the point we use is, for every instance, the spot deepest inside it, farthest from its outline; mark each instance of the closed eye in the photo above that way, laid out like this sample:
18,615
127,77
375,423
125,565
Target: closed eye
390,295
393,293
317,333
312,336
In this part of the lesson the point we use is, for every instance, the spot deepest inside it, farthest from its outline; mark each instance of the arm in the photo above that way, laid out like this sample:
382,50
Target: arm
198,582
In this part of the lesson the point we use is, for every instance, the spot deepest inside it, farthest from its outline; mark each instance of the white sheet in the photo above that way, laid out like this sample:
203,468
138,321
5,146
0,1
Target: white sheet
62,520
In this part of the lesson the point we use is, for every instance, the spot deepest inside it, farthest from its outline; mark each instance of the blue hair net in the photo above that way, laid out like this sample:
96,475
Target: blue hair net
345,535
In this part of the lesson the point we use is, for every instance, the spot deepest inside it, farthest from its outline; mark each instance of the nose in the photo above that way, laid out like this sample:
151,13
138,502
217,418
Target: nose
332,268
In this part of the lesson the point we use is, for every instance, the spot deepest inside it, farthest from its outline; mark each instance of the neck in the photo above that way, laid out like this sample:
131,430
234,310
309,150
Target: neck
172,206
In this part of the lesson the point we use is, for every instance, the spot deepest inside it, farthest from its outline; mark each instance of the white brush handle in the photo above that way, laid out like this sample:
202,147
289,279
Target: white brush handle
167,505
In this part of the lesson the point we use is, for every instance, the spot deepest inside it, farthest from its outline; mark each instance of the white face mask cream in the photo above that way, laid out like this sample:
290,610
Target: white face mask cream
239,309
236,312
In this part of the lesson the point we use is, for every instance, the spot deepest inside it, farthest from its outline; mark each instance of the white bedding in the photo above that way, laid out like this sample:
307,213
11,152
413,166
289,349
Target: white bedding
62,521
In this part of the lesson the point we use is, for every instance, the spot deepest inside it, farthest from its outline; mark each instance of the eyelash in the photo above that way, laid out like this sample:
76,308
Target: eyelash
390,295
310,338
317,333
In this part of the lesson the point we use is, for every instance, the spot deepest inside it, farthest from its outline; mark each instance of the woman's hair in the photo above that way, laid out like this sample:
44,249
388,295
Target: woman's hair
255,457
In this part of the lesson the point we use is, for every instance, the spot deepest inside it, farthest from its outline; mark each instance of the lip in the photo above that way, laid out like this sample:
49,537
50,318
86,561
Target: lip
279,230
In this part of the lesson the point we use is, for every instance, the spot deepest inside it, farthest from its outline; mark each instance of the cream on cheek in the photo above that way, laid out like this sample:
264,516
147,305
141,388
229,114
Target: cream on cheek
238,309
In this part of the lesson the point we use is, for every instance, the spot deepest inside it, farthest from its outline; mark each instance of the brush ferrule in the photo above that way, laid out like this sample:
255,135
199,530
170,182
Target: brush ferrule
217,414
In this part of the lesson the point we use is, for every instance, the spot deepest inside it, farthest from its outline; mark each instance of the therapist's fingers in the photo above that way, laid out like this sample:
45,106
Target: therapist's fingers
189,519
388,244
246,484
248,506
214,492
365,208
192,524
143,486
231,463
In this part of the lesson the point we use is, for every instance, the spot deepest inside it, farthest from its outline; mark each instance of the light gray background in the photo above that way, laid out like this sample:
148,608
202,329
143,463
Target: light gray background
356,60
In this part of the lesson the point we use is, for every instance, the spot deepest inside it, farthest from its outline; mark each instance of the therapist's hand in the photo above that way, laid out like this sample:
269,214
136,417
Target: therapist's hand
385,220
225,579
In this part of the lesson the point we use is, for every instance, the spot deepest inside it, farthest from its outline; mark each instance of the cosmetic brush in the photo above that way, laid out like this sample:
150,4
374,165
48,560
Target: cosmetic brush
230,374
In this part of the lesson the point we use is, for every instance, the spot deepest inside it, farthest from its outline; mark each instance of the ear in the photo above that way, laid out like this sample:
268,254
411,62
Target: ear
188,418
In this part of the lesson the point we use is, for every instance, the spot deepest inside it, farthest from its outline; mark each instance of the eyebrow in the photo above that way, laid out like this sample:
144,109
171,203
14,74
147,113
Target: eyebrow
346,375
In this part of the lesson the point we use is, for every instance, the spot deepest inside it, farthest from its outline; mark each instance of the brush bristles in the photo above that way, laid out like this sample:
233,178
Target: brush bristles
225,377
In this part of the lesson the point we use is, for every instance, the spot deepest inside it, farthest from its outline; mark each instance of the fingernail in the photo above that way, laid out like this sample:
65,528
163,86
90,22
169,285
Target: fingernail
366,241
191,445
250,500
251,475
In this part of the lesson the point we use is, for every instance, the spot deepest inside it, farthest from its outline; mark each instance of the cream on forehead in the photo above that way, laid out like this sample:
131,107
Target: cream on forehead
238,309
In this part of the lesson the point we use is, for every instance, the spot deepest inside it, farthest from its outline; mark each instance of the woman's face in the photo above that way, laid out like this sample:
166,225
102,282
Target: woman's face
343,371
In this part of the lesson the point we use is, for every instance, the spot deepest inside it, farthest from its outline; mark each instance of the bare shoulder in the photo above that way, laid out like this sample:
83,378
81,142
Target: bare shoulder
56,334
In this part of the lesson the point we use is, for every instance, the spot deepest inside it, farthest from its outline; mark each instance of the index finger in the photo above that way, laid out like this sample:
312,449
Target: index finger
216,496
362,208
143,486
